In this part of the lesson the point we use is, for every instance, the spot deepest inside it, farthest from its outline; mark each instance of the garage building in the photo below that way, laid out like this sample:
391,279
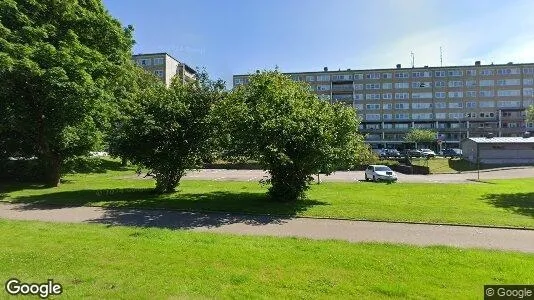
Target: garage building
499,150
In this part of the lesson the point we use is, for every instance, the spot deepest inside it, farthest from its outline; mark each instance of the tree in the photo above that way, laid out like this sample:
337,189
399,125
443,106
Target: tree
59,64
289,131
169,131
530,114
417,135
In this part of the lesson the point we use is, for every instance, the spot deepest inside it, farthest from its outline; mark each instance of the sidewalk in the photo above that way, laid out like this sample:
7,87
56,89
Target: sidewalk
352,231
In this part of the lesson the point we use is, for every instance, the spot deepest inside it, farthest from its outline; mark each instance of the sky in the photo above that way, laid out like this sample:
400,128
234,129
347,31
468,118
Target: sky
240,36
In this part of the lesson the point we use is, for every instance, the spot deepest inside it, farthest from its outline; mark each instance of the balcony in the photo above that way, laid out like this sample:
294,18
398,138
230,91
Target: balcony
343,87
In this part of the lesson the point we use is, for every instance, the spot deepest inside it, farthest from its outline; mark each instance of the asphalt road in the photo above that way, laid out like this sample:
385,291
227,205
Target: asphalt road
320,229
356,176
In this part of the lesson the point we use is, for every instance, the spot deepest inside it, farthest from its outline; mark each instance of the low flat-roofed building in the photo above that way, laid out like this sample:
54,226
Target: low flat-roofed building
499,150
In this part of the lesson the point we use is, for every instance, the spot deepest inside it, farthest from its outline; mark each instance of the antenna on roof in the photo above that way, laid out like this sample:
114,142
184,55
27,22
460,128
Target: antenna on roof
440,57
413,59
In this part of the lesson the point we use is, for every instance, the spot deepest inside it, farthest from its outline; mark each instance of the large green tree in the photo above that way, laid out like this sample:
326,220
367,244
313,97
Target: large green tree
418,136
61,64
289,131
169,131
530,114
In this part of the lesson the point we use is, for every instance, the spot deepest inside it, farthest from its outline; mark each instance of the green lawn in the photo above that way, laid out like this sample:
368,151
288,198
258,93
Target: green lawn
499,202
99,262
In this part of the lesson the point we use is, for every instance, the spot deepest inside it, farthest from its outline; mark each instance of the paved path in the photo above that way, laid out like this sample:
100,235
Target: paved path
353,231
356,176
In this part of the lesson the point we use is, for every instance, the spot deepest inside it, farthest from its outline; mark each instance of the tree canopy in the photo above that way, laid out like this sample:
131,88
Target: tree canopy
417,135
530,113
289,131
60,64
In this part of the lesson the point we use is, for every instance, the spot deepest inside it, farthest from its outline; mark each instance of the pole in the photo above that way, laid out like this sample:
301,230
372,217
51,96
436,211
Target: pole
478,162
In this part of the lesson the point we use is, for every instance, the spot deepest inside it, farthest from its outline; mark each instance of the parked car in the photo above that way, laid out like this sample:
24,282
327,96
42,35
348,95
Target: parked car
452,153
428,153
412,153
379,172
390,153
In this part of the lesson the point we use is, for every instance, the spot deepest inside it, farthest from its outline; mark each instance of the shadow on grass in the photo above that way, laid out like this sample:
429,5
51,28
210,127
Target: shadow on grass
142,207
519,203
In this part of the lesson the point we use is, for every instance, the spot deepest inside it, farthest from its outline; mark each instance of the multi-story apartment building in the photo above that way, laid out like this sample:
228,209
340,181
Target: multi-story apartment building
165,66
455,101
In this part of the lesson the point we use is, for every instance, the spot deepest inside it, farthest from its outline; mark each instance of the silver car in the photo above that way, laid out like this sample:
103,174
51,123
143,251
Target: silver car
379,172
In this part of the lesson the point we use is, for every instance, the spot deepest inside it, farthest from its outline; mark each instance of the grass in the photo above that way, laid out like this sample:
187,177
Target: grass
98,262
494,203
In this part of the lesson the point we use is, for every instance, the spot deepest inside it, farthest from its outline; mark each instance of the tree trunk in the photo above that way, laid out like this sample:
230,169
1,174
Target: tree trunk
124,162
52,170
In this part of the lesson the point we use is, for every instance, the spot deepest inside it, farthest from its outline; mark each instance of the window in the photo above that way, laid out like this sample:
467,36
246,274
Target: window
439,84
387,96
486,93
455,73
471,72
508,71
402,126
456,115
358,86
422,116
323,78
471,94
372,117
456,94
387,85
441,115
386,75
358,76
323,87
358,106
341,77
372,106
387,117
486,72
402,117
421,74
325,97
372,76
158,61
508,93
470,104
528,71
238,81
471,115
421,95
372,86
402,105
441,105
402,85
439,73
508,82
515,103
456,83
486,82
358,96
402,75
310,78
486,104
527,103
372,126
342,97
456,105
159,73
470,83
372,96
387,125
528,81
402,96
440,95
387,106
144,62
421,105
528,92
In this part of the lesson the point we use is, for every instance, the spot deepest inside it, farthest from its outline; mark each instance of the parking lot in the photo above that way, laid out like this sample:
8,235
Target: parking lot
358,176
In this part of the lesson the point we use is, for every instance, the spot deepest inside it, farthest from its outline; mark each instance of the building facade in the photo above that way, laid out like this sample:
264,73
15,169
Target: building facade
499,150
455,101
165,67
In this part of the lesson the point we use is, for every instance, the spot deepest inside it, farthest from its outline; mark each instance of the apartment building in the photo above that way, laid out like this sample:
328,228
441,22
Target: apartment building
165,66
455,101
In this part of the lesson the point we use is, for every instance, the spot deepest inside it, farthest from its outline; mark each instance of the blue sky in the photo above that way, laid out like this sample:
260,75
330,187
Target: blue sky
240,36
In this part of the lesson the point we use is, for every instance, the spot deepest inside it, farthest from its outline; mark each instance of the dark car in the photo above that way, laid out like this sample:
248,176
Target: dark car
412,153
452,153
390,153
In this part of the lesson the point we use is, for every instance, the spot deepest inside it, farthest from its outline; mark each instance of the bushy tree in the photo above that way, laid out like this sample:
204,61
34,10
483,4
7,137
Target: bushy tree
58,64
530,113
289,131
169,131
417,135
